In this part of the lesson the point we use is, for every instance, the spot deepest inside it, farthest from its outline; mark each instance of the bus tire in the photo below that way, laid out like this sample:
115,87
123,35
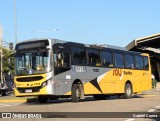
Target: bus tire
76,93
4,94
42,99
99,97
128,91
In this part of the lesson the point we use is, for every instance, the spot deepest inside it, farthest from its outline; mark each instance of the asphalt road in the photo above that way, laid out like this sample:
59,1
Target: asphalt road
113,104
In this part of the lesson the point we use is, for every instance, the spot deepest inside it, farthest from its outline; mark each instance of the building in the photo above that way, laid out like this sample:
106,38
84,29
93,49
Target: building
151,45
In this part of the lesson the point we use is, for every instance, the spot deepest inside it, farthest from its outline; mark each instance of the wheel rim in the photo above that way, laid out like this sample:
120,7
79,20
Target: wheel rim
128,91
77,93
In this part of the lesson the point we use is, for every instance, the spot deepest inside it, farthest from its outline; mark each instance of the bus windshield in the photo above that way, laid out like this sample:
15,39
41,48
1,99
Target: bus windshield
32,62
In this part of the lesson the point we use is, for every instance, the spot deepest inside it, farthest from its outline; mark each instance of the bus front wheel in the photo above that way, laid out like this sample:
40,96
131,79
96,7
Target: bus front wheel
42,99
128,91
76,93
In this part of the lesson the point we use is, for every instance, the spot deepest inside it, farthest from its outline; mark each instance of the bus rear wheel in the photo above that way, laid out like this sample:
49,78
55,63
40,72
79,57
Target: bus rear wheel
42,99
76,93
128,91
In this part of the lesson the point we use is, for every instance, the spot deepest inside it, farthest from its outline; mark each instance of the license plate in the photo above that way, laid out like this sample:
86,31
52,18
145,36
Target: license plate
28,90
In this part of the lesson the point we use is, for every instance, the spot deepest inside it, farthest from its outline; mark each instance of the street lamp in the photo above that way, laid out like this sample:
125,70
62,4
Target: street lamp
15,20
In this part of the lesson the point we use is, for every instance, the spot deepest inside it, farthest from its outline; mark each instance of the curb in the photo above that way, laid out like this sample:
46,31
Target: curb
23,100
34,99
11,101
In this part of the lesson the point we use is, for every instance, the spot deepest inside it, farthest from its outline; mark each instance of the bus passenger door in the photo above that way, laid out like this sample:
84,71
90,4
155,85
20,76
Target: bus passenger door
61,62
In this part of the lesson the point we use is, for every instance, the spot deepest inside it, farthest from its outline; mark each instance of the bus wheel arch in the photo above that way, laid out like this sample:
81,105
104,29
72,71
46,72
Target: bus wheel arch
128,90
77,90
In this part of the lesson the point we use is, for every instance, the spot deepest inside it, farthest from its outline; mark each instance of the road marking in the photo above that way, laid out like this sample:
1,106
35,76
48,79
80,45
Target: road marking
152,110
130,119
6,105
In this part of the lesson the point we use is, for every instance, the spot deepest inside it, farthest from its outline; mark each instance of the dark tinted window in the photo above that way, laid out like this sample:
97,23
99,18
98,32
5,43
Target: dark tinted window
61,59
146,65
94,58
79,56
106,58
61,62
118,58
139,62
129,61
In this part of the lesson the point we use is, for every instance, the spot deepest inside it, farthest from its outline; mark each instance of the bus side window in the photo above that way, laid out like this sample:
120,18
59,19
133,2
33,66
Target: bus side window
66,60
79,56
61,62
94,58
129,61
118,60
60,59
107,60
139,62
55,59
146,65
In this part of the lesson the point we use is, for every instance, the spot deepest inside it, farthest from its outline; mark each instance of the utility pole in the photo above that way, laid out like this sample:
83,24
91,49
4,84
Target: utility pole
1,52
15,21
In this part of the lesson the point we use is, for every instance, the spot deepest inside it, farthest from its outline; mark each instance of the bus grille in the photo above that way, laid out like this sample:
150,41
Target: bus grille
29,79
34,89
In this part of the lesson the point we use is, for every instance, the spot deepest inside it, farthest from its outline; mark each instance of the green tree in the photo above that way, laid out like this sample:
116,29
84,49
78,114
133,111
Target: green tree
8,61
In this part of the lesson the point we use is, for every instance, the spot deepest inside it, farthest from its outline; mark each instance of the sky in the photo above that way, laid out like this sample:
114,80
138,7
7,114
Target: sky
113,22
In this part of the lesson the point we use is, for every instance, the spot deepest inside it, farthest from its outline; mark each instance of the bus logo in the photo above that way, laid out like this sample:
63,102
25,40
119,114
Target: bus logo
117,72
30,71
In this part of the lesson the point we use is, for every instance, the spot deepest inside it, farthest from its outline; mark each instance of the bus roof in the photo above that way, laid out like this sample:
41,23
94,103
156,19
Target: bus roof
104,46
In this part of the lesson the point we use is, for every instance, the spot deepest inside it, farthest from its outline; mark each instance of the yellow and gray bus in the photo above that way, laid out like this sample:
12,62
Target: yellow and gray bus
52,69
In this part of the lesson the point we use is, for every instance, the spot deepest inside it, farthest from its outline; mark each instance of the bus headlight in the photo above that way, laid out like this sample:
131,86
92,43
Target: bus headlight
46,82
49,81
